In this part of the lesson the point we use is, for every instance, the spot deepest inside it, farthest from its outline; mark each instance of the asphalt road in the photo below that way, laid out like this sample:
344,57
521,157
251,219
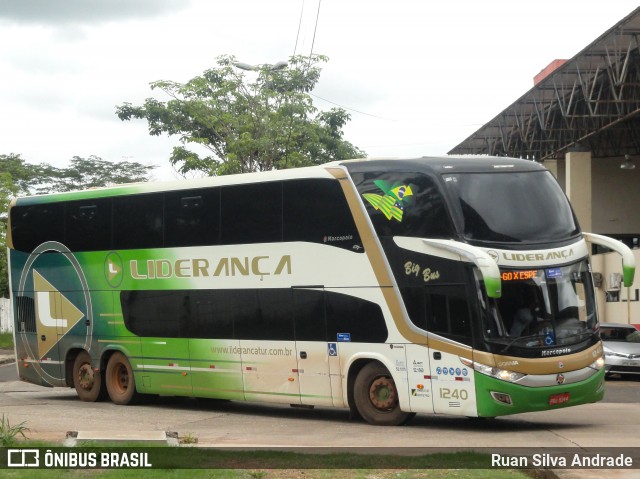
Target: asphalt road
620,389
8,372
623,389
51,412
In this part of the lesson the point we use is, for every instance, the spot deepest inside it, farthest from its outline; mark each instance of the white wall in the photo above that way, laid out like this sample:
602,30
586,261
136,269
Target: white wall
619,310
615,197
6,323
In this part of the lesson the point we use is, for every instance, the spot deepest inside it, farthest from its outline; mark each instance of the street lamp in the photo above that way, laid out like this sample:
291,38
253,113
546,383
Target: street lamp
264,70
627,164
265,66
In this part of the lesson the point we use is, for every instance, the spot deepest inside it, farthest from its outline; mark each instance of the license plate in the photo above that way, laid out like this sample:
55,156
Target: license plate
557,399
630,363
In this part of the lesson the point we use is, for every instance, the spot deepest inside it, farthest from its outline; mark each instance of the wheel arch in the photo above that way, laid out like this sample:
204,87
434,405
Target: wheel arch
106,355
355,366
70,358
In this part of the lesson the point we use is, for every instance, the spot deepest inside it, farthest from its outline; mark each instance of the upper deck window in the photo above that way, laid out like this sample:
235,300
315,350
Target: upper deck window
512,207
311,210
404,204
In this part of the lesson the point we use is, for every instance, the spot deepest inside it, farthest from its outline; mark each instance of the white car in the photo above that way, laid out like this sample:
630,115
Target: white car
621,348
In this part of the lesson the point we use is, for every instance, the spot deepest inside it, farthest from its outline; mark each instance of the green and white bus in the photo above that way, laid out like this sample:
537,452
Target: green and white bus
391,287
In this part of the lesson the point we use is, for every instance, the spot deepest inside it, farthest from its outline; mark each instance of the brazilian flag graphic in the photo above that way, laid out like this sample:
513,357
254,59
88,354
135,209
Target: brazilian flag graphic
392,203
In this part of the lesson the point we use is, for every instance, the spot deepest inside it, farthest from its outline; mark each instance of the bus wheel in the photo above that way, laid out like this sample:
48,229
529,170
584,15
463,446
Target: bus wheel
376,397
119,379
86,380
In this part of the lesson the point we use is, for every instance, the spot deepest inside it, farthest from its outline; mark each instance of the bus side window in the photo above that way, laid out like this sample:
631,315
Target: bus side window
308,311
156,313
259,314
362,319
192,218
90,221
34,225
275,315
138,221
251,213
448,313
316,211
424,211
414,301
210,315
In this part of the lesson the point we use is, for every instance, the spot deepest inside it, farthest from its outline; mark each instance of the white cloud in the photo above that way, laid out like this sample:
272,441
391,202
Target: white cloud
64,12
418,77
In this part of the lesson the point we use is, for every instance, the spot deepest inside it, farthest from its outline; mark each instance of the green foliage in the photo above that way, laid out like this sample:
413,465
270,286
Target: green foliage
6,341
92,172
189,438
265,124
9,434
205,473
21,176
17,177
13,176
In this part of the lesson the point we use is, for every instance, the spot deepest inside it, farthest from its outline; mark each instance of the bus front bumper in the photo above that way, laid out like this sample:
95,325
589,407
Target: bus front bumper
500,398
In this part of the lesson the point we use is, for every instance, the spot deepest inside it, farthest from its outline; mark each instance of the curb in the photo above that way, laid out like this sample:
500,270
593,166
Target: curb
7,359
541,473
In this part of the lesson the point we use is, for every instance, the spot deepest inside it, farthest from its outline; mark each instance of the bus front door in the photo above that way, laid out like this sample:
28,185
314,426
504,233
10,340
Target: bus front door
454,389
419,377
317,358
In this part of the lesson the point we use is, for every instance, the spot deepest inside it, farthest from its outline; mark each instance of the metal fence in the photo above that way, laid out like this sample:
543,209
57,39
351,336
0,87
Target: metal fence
6,323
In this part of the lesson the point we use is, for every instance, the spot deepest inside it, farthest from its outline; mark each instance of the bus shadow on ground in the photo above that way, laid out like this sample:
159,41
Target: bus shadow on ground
533,422
342,415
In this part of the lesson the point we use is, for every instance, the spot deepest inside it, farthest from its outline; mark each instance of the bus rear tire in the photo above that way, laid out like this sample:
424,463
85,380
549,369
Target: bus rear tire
119,378
86,380
376,397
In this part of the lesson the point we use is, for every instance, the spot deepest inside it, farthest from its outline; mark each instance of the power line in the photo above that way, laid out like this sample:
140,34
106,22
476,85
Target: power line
295,49
315,28
351,109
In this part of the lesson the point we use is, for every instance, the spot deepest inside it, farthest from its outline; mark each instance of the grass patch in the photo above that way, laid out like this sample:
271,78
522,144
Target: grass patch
266,474
6,341
214,464
9,434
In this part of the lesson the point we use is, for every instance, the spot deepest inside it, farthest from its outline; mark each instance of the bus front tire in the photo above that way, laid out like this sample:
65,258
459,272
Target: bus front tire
376,397
120,382
86,380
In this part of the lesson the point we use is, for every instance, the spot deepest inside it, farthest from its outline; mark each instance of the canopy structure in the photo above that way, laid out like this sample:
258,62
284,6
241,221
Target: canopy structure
591,101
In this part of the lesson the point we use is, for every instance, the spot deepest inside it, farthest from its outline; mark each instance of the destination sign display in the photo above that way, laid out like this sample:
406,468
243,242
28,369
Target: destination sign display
519,275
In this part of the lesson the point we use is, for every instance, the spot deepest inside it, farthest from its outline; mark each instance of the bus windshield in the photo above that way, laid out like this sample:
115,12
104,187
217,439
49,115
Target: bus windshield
541,308
538,210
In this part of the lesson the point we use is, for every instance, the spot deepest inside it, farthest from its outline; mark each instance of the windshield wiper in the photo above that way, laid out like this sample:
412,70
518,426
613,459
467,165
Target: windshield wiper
529,336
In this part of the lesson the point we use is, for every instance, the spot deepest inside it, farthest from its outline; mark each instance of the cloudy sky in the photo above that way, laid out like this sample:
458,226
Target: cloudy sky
418,77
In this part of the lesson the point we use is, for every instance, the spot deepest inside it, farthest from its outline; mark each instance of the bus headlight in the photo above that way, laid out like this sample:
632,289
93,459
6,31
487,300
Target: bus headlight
502,374
598,364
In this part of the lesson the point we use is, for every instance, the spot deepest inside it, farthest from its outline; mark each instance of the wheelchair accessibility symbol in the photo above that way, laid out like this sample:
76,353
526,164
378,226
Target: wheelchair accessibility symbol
333,349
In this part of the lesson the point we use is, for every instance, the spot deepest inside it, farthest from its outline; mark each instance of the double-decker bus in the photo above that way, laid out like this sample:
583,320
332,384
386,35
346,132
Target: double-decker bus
391,287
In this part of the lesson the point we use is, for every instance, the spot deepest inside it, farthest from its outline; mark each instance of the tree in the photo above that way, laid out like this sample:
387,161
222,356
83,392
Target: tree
265,124
92,172
17,177
8,189
22,175
14,178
